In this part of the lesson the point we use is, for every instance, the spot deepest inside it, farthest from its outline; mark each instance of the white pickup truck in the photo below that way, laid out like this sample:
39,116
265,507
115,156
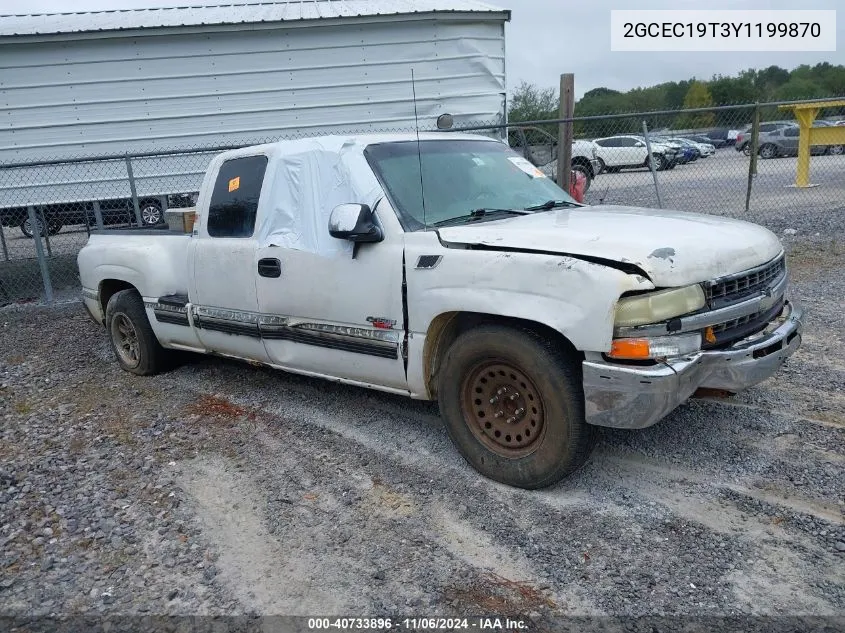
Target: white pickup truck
449,267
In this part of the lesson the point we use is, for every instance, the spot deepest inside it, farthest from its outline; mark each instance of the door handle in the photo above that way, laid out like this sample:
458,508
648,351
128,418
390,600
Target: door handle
269,267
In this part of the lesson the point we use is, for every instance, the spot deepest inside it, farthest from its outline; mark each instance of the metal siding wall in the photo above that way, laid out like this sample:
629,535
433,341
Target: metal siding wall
95,96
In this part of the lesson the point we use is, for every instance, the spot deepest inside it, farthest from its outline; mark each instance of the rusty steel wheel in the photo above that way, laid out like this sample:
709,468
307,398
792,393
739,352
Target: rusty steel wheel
513,404
503,408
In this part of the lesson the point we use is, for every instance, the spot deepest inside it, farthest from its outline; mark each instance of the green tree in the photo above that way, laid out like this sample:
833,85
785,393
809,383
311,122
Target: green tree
532,103
698,96
798,88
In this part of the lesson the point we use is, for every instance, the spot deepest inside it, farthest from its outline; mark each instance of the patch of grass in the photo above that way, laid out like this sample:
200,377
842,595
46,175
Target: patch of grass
22,407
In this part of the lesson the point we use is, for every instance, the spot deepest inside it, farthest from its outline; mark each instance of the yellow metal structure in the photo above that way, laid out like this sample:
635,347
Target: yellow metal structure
806,113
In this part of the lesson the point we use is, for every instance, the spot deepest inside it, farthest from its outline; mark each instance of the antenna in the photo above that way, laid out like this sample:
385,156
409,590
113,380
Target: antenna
419,152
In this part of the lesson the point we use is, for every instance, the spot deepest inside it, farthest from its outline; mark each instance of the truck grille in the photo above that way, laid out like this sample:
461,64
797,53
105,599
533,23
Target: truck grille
748,282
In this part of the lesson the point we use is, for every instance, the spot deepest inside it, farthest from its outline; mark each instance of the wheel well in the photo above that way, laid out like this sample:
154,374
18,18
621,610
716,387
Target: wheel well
580,160
446,327
108,287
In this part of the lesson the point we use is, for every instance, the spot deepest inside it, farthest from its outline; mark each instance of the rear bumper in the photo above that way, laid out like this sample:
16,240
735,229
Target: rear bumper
630,397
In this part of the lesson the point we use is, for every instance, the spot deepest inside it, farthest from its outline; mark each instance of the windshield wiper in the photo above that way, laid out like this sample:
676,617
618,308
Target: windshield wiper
477,214
552,204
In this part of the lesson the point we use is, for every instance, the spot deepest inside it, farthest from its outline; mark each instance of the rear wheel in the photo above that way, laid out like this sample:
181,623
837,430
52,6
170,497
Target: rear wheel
53,227
513,405
151,212
132,339
836,149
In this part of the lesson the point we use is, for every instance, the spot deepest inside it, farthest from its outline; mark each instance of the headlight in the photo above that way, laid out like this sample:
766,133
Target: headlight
659,306
655,347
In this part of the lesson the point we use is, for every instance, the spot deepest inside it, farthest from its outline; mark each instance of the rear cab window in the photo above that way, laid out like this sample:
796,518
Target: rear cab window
234,200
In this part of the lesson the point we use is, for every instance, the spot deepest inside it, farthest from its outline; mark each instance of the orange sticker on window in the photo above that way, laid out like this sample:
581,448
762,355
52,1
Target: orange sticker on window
234,183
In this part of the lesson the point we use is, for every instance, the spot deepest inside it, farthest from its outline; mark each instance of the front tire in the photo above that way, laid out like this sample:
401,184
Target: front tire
659,162
513,405
602,166
768,151
132,339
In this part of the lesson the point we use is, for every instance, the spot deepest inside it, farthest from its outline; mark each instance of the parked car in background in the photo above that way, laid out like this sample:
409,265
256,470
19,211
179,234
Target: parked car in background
629,152
784,142
744,138
686,153
540,147
704,144
113,212
717,137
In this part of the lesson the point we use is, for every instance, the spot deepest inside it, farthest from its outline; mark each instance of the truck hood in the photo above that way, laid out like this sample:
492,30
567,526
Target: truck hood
673,248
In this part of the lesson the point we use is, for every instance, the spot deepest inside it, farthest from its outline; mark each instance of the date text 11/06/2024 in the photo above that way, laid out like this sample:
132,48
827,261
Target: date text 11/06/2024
416,624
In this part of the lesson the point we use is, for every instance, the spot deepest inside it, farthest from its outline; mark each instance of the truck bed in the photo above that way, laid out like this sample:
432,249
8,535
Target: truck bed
155,261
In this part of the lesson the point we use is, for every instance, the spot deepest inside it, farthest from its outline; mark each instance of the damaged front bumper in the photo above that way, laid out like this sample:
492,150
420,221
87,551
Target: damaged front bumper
634,397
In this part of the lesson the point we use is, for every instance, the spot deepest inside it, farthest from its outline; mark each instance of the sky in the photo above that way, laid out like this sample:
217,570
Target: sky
548,37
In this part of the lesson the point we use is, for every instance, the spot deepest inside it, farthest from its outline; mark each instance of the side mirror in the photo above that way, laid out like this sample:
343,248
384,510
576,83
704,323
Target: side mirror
354,222
639,144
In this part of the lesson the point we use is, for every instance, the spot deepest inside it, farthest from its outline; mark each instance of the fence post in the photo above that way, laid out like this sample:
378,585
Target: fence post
46,231
650,160
3,243
564,143
98,215
752,144
133,191
39,250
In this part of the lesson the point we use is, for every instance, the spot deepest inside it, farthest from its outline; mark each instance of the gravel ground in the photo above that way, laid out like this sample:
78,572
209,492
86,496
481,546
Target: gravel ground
221,488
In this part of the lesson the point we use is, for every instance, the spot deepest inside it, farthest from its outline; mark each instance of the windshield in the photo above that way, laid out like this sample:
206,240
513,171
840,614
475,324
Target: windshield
459,177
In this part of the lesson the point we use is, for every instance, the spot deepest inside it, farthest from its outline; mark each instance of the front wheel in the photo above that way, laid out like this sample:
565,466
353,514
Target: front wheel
513,405
768,151
132,339
836,149
659,162
746,149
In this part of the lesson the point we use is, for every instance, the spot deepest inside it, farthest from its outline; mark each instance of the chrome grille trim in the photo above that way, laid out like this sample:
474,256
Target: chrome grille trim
745,282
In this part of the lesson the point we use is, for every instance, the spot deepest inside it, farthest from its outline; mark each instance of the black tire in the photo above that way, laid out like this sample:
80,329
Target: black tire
54,226
836,150
768,151
587,174
151,213
135,346
746,149
529,370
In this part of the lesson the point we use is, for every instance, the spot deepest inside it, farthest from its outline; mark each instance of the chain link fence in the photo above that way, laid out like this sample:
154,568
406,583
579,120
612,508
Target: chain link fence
701,161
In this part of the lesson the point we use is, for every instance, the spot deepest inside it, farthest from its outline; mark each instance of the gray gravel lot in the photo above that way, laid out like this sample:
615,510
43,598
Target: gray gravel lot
221,488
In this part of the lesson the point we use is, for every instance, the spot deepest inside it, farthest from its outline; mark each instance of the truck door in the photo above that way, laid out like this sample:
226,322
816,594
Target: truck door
223,259
336,316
